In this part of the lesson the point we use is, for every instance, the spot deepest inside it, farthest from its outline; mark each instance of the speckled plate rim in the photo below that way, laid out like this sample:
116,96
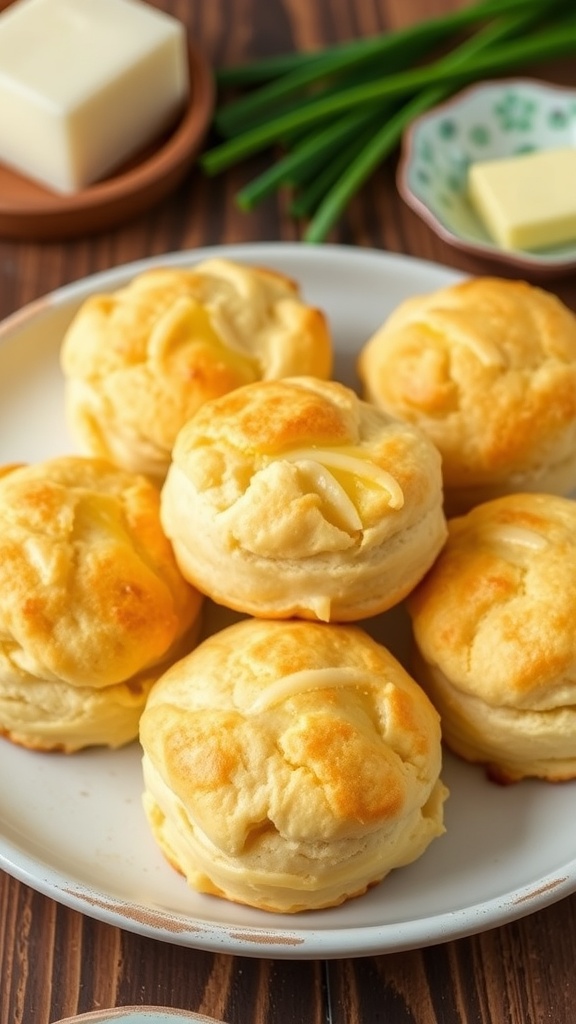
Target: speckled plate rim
138,1015
544,266
80,836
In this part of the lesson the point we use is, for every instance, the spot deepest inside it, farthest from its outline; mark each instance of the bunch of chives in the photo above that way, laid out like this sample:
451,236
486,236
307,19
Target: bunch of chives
336,114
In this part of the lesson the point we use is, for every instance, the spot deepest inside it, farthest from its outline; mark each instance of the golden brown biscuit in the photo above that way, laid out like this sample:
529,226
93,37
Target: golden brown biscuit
295,498
494,626
487,368
92,605
140,361
290,765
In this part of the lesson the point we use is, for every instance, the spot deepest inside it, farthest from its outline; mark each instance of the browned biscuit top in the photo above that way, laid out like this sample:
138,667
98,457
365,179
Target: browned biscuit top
496,612
311,732
90,593
488,368
140,361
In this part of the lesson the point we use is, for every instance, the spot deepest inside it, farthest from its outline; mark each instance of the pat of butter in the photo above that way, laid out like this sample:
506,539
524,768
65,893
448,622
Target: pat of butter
84,84
527,201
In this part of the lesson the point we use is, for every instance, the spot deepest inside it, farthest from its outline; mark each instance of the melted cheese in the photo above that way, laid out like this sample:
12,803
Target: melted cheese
310,679
352,464
187,323
333,494
517,536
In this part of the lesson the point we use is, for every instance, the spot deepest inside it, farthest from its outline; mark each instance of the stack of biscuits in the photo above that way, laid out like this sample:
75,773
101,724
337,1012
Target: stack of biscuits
290,761
487,368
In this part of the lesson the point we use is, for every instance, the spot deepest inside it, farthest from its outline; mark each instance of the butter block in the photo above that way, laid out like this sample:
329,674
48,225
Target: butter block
527,201
84,84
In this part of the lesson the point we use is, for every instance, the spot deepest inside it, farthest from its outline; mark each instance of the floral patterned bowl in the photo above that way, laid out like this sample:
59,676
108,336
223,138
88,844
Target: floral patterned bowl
485,121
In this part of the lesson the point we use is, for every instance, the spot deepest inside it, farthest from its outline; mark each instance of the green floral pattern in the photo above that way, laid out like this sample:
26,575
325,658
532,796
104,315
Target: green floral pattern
515,112
480,135
488,121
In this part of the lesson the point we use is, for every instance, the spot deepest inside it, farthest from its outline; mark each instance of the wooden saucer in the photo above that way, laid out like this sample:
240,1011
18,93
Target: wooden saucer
30,212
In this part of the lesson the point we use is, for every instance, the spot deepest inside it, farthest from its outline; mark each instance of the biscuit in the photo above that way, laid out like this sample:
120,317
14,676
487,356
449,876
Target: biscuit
295,498
290,765
487,367
494,631
92,605
138,362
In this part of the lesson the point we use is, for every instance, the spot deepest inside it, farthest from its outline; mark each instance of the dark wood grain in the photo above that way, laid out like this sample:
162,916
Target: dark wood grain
55,962
520,973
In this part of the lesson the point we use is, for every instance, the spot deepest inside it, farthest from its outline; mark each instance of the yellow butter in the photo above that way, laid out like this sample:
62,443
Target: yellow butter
527,201
84,84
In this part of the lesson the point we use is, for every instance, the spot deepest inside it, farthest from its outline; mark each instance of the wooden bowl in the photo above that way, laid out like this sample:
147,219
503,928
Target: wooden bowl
30,212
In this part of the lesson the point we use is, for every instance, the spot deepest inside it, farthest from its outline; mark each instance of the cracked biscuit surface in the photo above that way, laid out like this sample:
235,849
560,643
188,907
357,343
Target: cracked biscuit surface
92,605
494,632
295,498
140,361
290,765
487,367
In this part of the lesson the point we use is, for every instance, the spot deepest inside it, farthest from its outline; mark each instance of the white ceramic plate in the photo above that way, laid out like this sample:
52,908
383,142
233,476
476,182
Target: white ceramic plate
73,827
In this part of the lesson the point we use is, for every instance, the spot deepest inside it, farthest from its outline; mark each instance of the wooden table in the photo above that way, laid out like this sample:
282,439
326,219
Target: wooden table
55,962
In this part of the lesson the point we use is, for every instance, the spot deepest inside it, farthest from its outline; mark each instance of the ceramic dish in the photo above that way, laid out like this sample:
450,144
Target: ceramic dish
28,211
73,827
486,121
139,1015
